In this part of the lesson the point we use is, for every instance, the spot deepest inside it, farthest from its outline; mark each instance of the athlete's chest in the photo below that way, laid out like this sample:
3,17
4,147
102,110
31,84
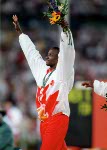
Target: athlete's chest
47,79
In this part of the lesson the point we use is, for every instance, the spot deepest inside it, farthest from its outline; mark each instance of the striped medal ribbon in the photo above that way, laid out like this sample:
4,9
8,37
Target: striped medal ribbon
46,79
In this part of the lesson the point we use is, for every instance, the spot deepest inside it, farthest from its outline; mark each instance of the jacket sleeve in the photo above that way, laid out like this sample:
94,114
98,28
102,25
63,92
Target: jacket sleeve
35,61
100,88
65,66
6,137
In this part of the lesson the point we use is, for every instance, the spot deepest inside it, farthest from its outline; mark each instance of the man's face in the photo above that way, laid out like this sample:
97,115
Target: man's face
52,58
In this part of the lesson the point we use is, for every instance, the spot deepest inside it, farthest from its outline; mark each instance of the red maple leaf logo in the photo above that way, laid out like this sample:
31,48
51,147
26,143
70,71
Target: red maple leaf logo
50,103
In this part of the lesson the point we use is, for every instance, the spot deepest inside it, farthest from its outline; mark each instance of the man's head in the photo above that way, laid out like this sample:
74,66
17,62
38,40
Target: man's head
52,57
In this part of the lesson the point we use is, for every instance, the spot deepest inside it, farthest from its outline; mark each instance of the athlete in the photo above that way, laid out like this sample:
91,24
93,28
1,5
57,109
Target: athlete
54,78
100,88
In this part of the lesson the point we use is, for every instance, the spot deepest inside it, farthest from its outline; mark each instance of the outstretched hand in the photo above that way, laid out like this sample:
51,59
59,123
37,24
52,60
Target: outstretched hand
64,23
16,24
88,84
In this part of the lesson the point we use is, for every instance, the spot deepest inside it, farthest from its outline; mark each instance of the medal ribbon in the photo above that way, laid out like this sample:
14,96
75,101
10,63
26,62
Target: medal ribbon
46,79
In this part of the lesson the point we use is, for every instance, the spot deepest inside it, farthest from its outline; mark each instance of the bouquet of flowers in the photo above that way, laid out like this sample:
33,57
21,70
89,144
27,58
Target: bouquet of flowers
56,13
105,105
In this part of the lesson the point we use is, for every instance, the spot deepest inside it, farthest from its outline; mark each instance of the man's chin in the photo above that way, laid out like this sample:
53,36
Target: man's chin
47,64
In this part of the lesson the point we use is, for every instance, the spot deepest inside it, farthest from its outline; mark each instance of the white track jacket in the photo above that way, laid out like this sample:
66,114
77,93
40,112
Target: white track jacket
100,88
53,98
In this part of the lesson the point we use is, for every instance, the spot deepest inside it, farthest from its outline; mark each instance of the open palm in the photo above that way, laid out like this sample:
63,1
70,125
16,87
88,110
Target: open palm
16,24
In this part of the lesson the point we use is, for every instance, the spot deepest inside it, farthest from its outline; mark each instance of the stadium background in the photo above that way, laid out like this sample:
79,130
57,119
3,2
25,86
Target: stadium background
88,22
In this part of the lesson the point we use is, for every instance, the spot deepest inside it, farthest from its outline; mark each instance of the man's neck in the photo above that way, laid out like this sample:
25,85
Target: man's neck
52,68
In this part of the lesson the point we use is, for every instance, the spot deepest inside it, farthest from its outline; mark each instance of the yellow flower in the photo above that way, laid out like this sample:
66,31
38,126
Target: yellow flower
55,17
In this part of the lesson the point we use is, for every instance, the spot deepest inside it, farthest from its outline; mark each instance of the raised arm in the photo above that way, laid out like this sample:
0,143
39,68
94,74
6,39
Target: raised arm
35,61
66,56
17,25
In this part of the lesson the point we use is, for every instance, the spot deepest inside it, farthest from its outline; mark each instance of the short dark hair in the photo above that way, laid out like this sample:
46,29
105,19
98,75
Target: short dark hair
55,48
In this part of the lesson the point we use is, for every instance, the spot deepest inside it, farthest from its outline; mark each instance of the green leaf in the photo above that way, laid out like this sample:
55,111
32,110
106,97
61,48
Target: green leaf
65,8
48,14
58,2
